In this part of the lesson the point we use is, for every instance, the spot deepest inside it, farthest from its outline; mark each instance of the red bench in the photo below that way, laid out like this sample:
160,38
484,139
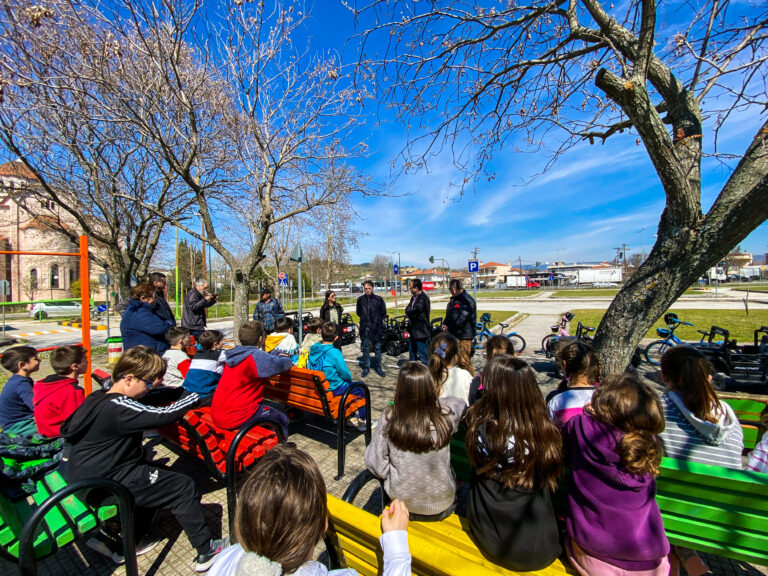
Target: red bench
307,390
221,450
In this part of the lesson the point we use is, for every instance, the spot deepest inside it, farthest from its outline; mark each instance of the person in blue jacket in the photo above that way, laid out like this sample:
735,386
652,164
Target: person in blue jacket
142,322
326,358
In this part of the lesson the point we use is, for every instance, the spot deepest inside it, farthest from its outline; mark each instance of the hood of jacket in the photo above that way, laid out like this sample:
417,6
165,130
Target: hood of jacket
51,385
714,433
81,419
597,443
318,351
266,364
135,305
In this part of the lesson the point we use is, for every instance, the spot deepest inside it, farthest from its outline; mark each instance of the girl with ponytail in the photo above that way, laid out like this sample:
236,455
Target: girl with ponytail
614,525
443,365
700,427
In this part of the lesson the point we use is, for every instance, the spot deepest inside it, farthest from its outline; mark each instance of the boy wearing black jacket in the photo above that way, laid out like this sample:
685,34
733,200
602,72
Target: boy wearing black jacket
103,439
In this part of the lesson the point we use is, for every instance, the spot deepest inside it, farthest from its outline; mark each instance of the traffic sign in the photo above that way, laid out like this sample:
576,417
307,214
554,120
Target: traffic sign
282,281
473,265
282,276
395,269
5,287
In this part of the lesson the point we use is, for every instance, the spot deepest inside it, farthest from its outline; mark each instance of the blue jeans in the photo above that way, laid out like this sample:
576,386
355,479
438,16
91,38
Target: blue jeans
357,391
418,350
365,347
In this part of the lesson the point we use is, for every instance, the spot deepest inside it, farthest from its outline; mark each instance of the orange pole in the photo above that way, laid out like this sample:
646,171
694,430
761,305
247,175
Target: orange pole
85,309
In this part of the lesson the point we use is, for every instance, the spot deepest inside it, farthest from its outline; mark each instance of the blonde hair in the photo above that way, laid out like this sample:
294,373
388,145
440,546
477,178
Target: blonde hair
142,362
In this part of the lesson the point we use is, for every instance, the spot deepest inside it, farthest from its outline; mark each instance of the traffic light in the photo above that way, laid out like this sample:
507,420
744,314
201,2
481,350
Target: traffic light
431,259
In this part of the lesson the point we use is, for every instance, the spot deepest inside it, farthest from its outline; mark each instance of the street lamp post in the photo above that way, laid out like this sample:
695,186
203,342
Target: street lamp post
298,256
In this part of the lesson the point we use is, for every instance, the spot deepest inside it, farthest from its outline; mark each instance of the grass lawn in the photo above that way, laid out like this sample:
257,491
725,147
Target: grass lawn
742,327
506,294
611,292
751,288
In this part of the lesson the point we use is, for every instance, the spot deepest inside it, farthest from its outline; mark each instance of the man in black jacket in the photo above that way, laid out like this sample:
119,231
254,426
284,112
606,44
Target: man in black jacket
461,321
195,303
418,316
371,311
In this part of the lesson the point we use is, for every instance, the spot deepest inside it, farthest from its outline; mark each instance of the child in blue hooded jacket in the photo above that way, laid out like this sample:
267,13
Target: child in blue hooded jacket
325,357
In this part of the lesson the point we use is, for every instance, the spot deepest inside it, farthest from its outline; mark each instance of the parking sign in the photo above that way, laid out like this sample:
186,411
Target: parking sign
473,265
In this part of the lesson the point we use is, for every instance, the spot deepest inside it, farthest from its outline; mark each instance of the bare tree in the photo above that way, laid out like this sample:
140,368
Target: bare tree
470,76
256,130
380,266
55,116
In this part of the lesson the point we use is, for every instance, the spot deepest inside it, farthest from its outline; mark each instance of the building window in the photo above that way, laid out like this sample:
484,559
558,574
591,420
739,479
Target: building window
72,277
55,276
33,279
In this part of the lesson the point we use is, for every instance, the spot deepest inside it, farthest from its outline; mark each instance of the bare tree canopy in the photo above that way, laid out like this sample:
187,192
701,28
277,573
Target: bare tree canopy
544,75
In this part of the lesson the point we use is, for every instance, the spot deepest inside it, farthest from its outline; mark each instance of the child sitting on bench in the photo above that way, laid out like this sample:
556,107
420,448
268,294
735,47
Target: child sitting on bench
58,395
103,439
206,366
325,357
410,448
17,408
176,359
282,514
281,342
582,370
239,394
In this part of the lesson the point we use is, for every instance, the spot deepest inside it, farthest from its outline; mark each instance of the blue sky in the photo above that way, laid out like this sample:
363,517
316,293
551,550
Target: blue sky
594,198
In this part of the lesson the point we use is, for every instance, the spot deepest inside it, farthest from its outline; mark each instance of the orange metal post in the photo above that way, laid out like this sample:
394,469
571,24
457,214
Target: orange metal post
85,309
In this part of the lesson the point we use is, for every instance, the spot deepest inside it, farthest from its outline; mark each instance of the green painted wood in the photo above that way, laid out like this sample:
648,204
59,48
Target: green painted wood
77,512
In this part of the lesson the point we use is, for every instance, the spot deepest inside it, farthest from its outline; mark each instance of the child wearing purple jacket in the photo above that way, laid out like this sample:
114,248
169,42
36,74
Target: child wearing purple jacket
614,525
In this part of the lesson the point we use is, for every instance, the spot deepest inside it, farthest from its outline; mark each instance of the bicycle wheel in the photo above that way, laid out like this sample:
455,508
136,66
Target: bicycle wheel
479,341
655,350
545,344
518,342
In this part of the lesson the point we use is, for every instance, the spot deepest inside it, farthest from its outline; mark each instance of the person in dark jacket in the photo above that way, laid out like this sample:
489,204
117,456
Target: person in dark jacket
268,310
331,311
142,323
195,303
418,311
157,279
103,439
461,321
371,311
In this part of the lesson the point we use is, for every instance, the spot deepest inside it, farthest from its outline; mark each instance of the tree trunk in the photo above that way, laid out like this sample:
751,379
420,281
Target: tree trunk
240,311
671,267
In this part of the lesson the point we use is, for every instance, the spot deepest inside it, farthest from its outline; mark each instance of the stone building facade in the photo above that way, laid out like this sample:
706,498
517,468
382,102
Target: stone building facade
34,277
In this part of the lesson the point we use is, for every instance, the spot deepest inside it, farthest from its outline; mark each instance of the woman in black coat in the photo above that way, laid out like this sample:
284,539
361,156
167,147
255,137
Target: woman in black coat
331,311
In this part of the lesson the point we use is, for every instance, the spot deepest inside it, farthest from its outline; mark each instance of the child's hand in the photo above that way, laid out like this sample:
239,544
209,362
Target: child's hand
395,517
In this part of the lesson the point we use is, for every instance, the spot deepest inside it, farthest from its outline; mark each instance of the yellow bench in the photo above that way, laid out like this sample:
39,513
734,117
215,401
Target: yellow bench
437,548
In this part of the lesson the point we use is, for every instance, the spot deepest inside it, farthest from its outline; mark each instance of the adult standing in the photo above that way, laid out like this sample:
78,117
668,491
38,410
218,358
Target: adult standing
418,311
158,280
331,311
461,321
195,303
268,310
371,311
142,324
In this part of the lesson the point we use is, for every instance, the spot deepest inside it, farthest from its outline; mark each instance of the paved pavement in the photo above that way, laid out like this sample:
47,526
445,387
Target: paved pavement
175,554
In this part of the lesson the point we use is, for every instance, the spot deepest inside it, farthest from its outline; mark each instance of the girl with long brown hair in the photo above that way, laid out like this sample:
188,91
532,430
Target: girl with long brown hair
582,368
700,427
451,380
516,455
410,448
614,525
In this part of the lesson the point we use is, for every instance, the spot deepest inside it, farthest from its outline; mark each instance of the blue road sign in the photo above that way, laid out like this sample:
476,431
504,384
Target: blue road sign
282,279
474,265
395,269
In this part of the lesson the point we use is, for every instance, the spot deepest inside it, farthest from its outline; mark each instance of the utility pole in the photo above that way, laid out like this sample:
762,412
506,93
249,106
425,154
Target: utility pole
474,257
621,252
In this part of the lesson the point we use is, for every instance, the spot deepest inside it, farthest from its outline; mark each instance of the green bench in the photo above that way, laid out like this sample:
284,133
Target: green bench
38,526
748,411
707,508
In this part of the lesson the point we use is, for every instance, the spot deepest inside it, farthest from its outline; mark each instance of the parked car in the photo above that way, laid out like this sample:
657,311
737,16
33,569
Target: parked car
737,278
43,310
605,285
532,284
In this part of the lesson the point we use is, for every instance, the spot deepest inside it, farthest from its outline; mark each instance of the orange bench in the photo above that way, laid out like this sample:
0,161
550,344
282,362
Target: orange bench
307,390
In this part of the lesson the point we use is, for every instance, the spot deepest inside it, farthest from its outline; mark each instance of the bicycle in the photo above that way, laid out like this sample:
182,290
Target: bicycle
559,330
518,342
655,350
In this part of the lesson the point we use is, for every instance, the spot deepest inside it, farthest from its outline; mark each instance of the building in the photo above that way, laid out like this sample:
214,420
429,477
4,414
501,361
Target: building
34,277
493,273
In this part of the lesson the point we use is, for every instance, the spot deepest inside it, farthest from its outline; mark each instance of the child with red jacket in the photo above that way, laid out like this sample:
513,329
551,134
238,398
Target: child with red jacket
58,395
239,394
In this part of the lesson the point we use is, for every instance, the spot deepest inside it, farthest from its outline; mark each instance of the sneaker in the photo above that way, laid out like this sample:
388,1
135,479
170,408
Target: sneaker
204,561
365,372
98,545
380,372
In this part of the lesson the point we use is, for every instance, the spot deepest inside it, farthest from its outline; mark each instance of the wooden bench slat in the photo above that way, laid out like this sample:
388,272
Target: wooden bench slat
77,512
55,522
